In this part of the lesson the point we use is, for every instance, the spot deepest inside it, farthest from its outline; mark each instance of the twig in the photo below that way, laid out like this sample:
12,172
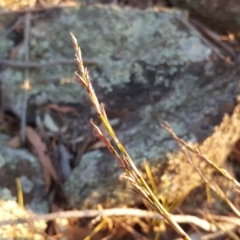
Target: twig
18,23
203,38
192,225
205,225
214,37
229,219
26,80
28,64
219,234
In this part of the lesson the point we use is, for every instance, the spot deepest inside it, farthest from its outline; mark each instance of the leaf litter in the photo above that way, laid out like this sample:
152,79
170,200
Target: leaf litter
40,149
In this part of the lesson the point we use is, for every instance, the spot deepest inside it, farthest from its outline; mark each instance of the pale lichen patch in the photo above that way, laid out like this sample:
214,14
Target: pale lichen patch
123,51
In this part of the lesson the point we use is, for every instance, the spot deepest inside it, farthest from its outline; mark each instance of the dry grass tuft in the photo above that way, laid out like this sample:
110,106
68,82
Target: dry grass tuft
132,174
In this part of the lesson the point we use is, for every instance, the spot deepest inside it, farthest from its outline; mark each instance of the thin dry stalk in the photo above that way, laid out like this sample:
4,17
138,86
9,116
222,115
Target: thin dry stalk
26,84
132,175
196,151
228,219
186,149
212,185
114,212
97,229
38,65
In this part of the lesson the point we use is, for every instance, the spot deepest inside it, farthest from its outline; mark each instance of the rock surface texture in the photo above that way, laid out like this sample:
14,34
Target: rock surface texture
221,15
146,66
19,163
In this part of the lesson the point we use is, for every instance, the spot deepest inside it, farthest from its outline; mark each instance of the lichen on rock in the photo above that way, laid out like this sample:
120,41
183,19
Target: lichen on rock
122,51
169,62
90,174
148,68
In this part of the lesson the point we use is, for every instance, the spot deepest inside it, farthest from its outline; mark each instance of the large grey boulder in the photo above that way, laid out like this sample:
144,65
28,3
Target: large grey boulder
161,72
147,67
126,46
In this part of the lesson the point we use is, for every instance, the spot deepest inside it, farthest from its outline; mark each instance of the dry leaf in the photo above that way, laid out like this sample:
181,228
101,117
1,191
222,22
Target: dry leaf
98,144
49,123
14,142
61,109
64,129
41,151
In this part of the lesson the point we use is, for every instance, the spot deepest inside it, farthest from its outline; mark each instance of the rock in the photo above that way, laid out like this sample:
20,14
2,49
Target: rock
96,179
187,91
19,163
124,54
148,68
220,15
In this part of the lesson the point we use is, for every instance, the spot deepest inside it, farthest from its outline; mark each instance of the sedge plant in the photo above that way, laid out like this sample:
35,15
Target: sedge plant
132,174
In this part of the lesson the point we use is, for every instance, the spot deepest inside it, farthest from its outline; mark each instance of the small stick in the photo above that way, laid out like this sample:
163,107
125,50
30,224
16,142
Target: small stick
26,84
29,64
113,212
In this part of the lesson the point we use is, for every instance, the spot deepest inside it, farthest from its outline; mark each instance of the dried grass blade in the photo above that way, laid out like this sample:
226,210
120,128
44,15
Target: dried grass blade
130,168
